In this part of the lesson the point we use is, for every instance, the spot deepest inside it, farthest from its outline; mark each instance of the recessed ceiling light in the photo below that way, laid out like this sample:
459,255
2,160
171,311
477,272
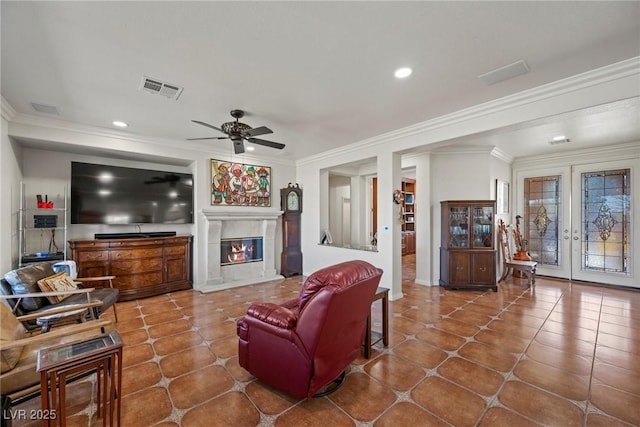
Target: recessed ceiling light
403,72
250,148
560,139
120,124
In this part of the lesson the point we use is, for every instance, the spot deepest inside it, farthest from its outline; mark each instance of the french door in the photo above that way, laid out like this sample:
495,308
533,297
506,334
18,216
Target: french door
579,221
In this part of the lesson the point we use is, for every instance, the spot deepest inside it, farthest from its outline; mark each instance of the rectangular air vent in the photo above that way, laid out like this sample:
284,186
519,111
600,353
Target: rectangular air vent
47,109
161,88
505,73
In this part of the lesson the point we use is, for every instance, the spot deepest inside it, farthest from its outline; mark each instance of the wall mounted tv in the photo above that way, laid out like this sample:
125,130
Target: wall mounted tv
102,194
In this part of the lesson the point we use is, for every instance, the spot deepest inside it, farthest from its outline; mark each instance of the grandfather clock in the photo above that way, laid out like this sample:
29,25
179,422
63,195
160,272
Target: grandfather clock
291,204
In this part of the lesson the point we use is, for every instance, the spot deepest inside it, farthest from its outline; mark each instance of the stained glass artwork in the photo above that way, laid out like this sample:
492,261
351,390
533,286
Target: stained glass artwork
606,221
542,196
542,221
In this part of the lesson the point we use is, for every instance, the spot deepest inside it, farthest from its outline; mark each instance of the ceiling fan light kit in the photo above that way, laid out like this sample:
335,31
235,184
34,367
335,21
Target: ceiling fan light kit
239,132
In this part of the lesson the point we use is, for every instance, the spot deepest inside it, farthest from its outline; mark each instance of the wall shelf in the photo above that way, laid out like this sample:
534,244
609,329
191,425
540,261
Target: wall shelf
42,232
408,216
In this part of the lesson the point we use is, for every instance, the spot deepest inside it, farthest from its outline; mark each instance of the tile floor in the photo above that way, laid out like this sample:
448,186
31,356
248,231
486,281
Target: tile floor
562,354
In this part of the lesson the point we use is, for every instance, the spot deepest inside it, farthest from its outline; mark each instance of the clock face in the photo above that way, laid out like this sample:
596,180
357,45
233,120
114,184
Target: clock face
292,201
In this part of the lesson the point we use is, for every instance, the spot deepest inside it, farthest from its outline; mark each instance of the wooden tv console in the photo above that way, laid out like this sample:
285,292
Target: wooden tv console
143,266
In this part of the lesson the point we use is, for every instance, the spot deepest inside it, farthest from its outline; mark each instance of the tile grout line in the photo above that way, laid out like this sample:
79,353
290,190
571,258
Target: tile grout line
593,362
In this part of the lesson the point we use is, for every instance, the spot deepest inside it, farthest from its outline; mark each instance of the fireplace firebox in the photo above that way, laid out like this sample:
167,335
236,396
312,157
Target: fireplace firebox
240,250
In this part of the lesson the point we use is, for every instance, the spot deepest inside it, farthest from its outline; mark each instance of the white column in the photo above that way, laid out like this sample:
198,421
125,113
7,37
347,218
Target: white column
214,272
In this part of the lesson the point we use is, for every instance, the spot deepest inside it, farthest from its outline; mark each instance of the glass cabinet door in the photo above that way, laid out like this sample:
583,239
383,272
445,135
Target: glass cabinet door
483,227
459,227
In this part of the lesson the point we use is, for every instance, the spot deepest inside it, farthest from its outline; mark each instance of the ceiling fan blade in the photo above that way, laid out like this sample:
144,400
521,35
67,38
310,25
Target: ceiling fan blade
266,143
238,146
210,137
262,130
207,125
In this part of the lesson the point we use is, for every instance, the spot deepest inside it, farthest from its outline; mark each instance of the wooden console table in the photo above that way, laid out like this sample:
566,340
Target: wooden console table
57,364
142,267
381,294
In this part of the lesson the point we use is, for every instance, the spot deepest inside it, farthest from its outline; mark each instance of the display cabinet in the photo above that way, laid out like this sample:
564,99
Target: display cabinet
467,250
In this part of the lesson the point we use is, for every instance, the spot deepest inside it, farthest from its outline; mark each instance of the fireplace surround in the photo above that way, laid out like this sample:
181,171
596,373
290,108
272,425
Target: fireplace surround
232,224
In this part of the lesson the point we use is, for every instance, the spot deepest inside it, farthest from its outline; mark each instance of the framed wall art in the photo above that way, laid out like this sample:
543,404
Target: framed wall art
237,184
502,196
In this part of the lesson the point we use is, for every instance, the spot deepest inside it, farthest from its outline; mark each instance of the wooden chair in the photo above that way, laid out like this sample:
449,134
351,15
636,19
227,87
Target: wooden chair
510,264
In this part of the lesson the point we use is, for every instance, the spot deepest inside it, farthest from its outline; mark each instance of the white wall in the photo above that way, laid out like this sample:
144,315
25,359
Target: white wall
11,174
339,189
501,170
456,175
49,171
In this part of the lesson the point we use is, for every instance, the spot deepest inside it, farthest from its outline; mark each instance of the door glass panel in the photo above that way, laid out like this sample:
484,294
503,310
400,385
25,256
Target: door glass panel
459,223
542,196
606,221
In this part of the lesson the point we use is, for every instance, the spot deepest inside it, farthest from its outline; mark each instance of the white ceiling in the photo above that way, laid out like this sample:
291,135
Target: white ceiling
319,74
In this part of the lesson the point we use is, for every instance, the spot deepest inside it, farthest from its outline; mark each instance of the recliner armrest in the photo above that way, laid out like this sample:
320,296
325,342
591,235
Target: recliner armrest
273,314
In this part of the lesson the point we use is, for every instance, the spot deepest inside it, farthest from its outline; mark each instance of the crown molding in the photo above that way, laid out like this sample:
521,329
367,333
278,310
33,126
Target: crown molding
500,154
463,149
98,133
619,70
628,150
8,113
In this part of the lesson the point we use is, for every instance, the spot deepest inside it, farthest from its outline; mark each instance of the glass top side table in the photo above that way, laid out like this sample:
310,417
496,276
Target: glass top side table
101,354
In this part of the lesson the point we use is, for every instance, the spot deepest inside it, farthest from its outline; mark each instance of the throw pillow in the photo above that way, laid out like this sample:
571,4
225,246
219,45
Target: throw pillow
56,283
10,330
24,281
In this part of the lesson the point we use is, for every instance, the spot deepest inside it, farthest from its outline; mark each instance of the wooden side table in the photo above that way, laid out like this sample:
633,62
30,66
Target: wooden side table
381,294
57,364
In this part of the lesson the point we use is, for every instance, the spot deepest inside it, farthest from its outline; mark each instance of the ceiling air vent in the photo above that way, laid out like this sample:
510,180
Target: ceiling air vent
161,88
47,109
505,73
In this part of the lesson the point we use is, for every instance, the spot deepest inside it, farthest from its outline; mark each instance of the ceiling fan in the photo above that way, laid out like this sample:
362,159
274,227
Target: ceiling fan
238,132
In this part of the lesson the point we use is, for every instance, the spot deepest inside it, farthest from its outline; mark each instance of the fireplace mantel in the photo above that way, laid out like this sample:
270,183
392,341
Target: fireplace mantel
227,213
236,222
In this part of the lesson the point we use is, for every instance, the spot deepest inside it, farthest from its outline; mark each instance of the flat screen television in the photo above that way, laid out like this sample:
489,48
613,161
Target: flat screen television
102,194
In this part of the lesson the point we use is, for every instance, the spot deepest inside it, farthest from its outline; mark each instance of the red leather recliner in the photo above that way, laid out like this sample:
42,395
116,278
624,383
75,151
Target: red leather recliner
306,343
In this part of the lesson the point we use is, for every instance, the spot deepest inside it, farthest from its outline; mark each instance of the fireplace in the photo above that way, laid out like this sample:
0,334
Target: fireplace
240,250
225,227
